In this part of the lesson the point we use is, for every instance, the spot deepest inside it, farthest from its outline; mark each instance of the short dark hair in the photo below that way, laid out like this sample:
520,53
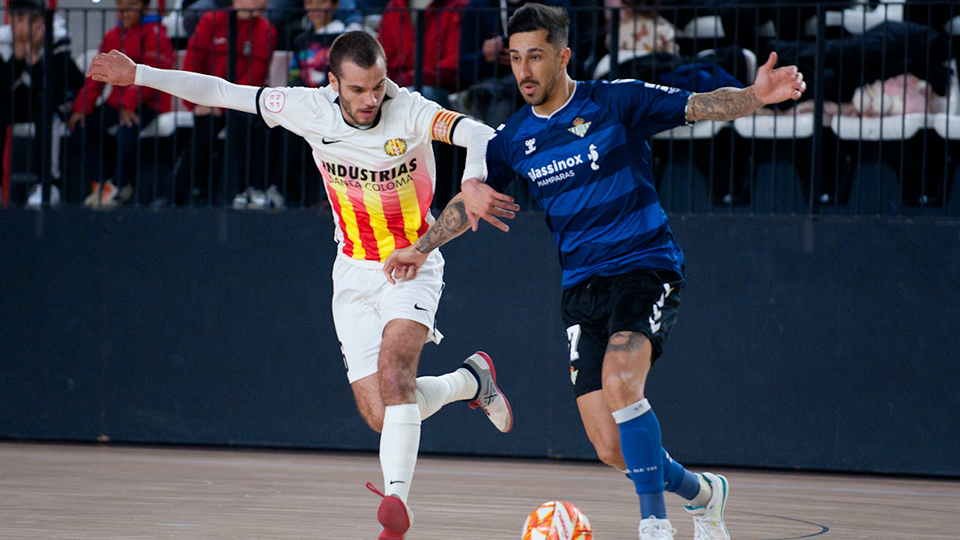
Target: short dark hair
26,6
533,17
358,47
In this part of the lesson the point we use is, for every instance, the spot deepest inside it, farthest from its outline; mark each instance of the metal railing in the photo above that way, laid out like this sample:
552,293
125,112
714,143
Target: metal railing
858,143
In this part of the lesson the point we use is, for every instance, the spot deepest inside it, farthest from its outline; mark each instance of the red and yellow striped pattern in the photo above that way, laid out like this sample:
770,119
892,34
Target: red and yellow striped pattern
441,129
374,222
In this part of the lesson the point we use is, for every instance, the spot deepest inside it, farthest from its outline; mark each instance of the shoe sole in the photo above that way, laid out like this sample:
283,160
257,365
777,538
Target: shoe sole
393,516
493,375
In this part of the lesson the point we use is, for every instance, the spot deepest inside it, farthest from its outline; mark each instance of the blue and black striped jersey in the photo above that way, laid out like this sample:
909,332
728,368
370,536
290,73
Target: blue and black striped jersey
588,166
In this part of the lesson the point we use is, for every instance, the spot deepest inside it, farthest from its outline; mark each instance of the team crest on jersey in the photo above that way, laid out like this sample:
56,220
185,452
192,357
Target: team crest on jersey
580,127
274,101
395,147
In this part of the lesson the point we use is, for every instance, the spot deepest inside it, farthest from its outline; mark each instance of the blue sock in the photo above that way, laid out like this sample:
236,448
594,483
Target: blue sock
678,480
640,443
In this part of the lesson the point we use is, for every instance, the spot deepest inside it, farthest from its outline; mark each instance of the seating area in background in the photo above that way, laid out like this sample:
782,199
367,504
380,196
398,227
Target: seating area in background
877,132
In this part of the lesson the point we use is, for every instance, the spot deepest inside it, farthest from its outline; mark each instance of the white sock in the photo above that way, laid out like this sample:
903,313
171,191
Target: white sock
706,491
399,444
435,392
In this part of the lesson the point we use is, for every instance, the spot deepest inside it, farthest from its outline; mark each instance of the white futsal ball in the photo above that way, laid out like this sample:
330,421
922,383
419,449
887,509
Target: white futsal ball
557,520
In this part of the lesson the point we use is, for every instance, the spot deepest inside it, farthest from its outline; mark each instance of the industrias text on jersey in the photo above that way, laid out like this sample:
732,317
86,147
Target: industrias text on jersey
384,180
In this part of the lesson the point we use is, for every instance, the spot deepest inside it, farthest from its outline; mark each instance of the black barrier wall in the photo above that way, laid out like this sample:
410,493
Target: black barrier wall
825,344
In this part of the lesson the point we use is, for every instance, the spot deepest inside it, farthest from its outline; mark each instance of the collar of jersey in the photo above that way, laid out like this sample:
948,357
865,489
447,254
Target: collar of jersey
376,121
576,85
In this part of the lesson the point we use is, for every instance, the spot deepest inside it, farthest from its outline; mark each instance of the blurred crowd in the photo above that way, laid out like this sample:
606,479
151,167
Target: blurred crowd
108,146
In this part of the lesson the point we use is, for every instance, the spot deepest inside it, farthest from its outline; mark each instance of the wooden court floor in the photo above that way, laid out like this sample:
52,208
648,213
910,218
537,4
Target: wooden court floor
67,491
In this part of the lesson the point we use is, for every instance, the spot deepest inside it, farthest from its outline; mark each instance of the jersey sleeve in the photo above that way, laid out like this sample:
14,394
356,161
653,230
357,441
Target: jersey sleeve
294,109
424,113
499,174
645,107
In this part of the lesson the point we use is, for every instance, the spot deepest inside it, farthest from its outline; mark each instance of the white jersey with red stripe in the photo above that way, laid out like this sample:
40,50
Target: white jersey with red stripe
380,181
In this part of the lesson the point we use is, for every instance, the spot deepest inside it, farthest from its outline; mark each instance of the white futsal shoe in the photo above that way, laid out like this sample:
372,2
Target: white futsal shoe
489,398
708,520
656,529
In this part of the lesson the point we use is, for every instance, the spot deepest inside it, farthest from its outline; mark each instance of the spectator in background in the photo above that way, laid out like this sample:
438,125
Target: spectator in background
309,67
285,15
207,52
492,95
311,49
483,53
22,68
642,29
143,38
441,44
647,50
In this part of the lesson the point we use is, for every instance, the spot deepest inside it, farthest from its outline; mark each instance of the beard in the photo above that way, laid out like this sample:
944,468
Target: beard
541,97
351,113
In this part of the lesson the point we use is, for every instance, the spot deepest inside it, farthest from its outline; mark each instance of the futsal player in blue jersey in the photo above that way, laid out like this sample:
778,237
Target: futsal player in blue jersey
582,147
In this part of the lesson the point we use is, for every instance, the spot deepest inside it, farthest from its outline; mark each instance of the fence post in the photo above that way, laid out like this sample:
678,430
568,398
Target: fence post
816,160
46,121
419,38
615,44
229,163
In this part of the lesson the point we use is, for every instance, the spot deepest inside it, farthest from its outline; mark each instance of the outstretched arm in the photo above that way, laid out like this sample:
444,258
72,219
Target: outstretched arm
117,69
772,85
453,221
481,200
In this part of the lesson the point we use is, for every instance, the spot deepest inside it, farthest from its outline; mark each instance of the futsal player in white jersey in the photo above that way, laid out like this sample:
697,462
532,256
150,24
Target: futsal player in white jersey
372,143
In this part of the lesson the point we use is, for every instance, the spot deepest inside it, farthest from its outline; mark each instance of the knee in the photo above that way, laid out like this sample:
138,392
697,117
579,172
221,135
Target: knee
620,391
396,387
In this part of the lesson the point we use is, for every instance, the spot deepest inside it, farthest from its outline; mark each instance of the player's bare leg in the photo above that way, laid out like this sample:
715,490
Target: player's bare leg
626,364
400,437
475,382
366,392
601,429
400,434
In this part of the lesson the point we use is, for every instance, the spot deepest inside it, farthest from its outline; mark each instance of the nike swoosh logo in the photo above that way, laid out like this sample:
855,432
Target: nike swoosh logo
417,306
325,141
392,482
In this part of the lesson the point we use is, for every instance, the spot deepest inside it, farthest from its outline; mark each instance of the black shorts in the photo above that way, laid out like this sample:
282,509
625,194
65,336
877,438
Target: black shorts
645,301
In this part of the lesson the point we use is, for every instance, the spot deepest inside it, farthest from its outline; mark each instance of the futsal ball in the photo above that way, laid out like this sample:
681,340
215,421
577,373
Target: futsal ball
557,520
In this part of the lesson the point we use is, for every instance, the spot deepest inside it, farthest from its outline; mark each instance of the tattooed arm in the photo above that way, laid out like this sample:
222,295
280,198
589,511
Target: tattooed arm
722,104
404,263
476,199
772,85
453,222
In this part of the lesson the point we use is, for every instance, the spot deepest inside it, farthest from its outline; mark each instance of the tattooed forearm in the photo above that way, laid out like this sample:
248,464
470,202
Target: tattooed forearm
722,104
451,224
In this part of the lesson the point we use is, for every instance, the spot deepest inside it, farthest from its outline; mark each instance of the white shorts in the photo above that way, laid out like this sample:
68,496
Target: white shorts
364,302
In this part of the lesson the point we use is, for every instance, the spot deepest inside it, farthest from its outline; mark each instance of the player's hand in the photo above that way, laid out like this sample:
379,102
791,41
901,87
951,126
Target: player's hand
774,85
75,118
403,263
487,203
113,68
129,118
